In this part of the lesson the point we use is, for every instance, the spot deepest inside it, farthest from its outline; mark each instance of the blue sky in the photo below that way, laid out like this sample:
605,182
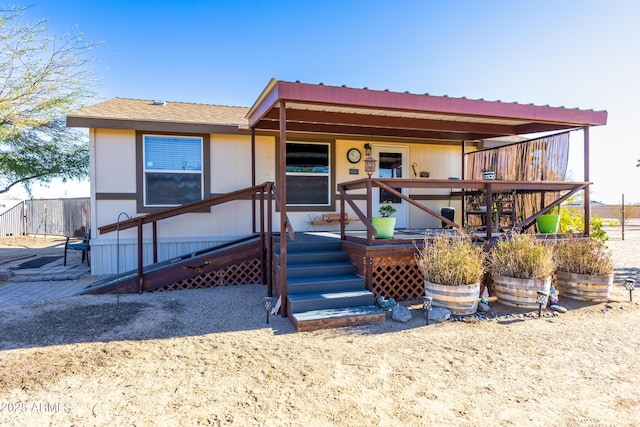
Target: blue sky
573,53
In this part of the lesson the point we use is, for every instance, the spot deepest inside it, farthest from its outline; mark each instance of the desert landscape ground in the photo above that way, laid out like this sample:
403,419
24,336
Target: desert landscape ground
208,357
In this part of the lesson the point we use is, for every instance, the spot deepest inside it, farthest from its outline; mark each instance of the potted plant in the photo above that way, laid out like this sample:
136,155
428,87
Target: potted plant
453,268
385,223
521,266
488,174
548,223
584,269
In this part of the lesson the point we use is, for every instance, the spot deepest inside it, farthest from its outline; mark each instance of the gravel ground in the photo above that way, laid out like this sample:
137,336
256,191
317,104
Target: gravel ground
208,357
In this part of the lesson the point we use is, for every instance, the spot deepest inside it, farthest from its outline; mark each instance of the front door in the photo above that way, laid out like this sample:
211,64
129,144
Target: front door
392,163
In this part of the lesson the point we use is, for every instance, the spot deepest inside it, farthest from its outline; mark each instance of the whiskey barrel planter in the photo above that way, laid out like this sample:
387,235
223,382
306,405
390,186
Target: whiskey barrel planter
460,299
519,292
584,287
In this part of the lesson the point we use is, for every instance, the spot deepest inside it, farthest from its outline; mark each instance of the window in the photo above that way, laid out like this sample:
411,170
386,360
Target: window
308,174
173,172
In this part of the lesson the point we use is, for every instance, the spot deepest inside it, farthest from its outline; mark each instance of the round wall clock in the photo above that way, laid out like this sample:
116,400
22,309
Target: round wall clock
354,155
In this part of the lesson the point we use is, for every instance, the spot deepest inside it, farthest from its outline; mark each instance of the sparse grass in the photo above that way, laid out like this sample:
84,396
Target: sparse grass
583,256
451,261
522,256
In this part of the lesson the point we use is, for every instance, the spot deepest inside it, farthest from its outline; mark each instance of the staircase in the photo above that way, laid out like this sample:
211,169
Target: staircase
323,289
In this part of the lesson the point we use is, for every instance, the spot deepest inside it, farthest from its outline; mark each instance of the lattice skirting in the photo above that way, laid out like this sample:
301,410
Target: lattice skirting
246,273
397,278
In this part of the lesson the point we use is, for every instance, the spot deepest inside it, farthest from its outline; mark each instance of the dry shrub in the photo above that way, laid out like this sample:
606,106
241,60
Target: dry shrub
583,256
451,261
522,256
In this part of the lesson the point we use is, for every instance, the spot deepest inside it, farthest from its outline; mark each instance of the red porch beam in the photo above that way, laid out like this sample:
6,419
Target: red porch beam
333,95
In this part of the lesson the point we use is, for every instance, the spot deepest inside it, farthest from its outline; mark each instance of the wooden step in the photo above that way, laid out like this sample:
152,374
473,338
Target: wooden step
305,285
337,317
321,270
323,289
307,244
324,300
309,257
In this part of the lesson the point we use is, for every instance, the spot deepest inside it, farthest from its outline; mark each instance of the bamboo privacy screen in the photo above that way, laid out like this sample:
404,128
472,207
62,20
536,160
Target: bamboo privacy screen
542,159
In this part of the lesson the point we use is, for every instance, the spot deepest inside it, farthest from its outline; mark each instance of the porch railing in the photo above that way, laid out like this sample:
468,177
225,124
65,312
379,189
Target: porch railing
266,193
488,187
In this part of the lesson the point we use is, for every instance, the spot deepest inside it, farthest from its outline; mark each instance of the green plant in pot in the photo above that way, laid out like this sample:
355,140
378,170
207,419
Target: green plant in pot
385,223
548,223
584,269
453,268
521,266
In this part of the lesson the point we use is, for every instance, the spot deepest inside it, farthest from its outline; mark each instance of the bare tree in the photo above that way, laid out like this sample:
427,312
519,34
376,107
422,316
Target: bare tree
42,78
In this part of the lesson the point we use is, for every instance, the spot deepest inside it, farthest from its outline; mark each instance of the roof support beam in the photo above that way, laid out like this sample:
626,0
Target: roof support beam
390,121
341,129
283,207
587,198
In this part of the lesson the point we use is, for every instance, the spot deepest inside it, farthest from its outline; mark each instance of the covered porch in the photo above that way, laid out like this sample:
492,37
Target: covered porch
297,110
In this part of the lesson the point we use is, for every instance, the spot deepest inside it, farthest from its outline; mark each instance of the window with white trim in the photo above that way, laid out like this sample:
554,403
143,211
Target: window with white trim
308,174
172,170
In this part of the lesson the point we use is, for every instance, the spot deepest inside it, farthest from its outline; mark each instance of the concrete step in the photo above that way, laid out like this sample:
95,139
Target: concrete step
337,317
325,300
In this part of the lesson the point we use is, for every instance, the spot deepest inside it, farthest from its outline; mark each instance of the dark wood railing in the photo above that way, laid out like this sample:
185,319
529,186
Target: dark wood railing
488,187
266,192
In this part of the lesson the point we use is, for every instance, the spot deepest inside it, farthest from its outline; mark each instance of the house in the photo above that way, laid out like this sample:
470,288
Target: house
149,156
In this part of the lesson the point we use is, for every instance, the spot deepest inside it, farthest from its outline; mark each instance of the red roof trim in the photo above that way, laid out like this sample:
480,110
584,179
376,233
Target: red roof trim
383,100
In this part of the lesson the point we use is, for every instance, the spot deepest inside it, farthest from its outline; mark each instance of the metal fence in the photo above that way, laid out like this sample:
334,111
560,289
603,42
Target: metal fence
57,217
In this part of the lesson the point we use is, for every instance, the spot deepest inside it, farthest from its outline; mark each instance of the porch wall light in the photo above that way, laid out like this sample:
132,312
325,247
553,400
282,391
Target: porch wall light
370,165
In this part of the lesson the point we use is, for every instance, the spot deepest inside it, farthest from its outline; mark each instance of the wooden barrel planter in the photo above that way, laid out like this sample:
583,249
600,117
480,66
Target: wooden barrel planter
584,287
460,299
519,292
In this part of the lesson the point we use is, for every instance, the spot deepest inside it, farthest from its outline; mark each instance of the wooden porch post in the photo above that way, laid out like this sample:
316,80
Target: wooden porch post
489,214
154,228
587,198
464,149
263,250
253,176
270,238
140,258
369,210
283,207
464,191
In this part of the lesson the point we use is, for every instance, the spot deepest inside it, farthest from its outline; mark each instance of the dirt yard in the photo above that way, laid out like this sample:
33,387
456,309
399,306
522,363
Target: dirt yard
208,357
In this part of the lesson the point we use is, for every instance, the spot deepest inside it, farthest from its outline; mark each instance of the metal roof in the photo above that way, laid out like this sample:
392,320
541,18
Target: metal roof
363,112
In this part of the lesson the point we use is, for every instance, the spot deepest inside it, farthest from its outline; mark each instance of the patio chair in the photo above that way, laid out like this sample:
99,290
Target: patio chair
84,246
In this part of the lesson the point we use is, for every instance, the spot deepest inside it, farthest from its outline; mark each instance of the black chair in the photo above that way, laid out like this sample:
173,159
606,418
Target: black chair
84,246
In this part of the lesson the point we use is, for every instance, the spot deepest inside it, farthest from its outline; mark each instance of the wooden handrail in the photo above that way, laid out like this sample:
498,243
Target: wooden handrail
488,186
247,193
187,208
529,221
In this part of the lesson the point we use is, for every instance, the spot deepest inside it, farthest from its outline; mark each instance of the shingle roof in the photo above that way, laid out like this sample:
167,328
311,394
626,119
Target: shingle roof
174,112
